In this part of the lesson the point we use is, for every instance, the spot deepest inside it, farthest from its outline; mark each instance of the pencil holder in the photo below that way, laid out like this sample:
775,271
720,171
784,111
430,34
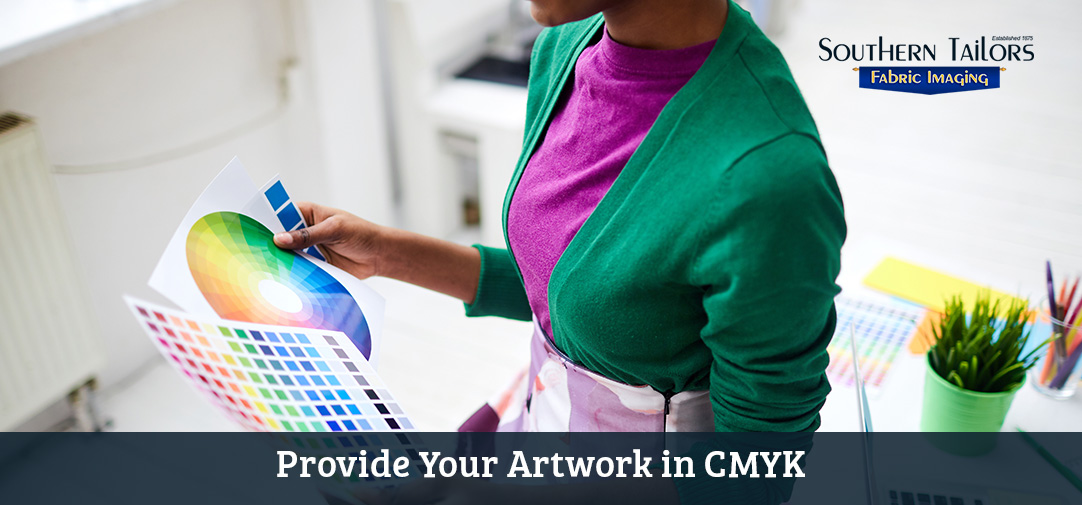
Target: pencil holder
1057,374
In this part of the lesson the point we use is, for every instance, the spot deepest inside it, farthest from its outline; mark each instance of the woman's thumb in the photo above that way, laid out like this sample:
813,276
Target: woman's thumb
304,237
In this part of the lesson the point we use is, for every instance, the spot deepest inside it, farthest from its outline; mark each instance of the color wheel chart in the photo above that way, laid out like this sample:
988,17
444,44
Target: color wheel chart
245,277
882,330
273,378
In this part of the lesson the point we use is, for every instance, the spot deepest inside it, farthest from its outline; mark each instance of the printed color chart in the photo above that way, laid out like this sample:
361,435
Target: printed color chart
275,378
882,330
245,277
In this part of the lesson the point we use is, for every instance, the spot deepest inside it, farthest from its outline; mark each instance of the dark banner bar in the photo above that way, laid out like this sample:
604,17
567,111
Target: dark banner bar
824,468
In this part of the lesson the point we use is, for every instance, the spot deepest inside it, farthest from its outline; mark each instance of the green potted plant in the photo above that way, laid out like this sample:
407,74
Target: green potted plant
975,366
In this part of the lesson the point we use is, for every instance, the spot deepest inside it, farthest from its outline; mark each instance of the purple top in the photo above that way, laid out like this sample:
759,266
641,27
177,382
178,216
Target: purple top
618,93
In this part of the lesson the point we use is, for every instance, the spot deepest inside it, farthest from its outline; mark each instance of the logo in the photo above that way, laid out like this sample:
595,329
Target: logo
931,80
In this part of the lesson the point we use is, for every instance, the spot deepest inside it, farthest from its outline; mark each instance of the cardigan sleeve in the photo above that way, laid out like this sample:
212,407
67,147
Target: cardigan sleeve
768,260
499,289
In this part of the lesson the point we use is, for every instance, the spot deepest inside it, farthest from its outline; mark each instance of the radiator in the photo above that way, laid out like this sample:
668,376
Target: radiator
49,344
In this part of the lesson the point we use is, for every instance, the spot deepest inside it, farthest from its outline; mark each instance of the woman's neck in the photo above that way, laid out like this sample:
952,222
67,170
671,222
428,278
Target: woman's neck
666,24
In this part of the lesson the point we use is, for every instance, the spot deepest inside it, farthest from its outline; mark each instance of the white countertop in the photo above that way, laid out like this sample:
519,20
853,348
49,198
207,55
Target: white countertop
479,103
30,26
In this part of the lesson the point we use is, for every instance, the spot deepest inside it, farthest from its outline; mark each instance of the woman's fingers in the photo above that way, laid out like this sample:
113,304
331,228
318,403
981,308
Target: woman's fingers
319,233
325,227
308,211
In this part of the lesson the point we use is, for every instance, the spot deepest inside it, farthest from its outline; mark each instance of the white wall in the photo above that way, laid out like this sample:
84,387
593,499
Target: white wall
181,75
346,74
982,184
428,40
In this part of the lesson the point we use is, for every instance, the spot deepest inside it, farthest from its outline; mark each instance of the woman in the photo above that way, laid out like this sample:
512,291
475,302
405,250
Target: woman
672,228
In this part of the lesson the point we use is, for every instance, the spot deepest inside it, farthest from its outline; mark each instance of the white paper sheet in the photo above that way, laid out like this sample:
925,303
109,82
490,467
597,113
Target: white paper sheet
233,191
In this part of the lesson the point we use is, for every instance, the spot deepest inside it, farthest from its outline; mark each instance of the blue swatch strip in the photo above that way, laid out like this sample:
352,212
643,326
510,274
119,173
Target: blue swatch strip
288,214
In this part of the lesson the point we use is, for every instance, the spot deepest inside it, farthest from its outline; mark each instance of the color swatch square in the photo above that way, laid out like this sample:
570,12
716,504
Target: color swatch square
276,195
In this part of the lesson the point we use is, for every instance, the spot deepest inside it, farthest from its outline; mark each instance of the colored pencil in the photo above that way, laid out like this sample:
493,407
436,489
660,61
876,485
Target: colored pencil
1051,291
1059,466
1074,315
1073,339
1070,298
1072,354
1058,350
1053,310
1065,369
1066,366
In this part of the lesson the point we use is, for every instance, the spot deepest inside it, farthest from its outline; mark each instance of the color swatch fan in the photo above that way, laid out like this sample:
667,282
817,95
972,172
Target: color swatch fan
245,277
274,378
222,261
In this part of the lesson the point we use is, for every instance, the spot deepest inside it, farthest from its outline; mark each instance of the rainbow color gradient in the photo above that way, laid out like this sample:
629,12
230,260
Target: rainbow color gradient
245,277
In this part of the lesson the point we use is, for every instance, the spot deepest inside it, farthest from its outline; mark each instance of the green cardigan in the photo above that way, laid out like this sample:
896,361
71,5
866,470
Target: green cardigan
711,262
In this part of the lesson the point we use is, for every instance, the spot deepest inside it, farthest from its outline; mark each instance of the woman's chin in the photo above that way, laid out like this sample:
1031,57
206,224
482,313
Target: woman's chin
558,12
543,16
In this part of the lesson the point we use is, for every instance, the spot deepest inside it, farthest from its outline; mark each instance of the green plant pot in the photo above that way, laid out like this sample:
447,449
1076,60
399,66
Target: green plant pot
949,408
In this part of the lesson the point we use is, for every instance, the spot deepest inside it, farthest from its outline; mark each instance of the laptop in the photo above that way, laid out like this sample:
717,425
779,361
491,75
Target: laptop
921,491
864,417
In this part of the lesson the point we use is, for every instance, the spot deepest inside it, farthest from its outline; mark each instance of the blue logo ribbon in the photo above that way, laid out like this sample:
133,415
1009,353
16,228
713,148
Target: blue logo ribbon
929,80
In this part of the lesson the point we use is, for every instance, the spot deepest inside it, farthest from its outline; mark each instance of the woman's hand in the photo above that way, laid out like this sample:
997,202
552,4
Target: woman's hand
366,249
348,242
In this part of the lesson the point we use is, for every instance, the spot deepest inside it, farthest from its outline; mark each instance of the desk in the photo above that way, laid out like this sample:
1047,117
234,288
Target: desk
897,406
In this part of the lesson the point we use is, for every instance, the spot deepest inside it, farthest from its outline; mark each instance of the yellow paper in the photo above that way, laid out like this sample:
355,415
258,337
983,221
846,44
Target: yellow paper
1001,497
927,287
923,338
